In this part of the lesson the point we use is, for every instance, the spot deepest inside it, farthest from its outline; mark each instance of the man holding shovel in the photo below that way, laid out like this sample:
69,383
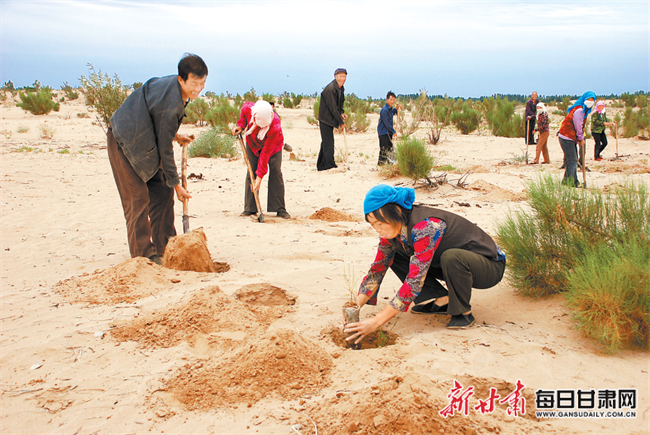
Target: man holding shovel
531,117
264,140
385,128
140,151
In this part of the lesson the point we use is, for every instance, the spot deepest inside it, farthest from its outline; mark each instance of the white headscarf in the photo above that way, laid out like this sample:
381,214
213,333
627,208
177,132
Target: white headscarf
541,106
262,116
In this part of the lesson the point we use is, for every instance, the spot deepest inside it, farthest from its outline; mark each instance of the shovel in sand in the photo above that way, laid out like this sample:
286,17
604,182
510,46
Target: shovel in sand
186,217
260,218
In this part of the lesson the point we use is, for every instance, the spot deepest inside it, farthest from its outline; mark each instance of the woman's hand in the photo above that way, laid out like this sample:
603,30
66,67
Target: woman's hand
360,329
235,131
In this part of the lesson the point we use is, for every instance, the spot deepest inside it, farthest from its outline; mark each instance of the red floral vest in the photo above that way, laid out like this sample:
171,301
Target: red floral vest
567,128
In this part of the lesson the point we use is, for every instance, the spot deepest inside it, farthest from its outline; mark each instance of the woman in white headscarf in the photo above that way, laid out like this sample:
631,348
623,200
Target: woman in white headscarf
264,140
542,128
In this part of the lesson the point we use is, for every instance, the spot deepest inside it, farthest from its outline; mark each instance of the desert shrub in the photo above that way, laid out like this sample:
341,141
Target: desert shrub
628,99
636,122
286,102
413,158
222,113
38,103
9,87
196,112
313,120
466,120
216,142
389,170
69,91
357,121
268,98
103,95
22,129
136,85
608,292
502,119
613,131
251,96
296,99
560,244
47,132
564,105
642,101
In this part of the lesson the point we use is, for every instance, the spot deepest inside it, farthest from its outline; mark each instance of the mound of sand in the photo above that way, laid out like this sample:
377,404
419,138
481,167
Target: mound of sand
492,193
209,317
190,252
280,364
267,301
328,214
408,404
128,281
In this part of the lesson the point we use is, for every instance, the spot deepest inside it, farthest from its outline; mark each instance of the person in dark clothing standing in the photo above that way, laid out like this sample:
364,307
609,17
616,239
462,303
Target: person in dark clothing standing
385,128
422,245
531,111
331,116
140,151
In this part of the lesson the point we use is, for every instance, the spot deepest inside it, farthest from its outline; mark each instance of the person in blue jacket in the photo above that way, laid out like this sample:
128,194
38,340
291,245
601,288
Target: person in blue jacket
385,128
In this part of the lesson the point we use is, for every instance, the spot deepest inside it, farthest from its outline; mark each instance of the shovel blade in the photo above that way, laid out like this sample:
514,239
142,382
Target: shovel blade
186,223
260,218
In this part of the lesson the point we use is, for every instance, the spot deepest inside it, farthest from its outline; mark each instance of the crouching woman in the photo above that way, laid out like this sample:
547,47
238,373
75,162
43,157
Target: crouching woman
423,245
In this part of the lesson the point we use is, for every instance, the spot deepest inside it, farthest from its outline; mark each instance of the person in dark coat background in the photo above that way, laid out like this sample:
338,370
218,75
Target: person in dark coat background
331,116
531,112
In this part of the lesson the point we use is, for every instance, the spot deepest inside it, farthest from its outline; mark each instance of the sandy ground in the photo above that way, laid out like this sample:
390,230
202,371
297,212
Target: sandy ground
95,343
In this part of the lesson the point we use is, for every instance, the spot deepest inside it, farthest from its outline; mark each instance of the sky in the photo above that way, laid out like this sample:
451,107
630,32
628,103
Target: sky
459,48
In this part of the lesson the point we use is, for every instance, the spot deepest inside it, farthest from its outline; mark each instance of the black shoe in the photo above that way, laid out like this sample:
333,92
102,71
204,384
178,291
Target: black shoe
156,259
284,214
287,148
461,321
424,297
247,213
430,308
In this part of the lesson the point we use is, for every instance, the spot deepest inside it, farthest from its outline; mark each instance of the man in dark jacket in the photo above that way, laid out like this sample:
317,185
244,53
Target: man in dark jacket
531,117
331,116
139,142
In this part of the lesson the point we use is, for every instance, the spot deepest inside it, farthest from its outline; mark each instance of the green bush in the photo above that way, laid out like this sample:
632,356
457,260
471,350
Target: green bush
314,120
196,112
38,103
413,158
636,122
9,87
103,94
296,99
70,93
502,119
268,98
628,99
608,293
251,96
357,121
216,142
222,113
136,85
287,103
466,120
579,242
564,105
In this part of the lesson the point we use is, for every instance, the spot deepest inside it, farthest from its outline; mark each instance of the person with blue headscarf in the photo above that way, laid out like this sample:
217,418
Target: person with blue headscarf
572,133
423,245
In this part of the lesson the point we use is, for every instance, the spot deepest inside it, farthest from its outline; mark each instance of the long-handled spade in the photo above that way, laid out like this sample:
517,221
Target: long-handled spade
527,127
186,217
260,218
